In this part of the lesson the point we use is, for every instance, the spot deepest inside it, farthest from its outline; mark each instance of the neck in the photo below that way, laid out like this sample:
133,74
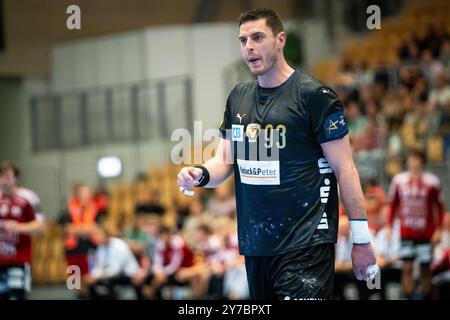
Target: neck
7,193
416,173
280,72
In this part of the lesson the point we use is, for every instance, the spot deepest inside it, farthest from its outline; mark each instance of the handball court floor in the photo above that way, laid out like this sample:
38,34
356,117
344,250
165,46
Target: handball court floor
61,292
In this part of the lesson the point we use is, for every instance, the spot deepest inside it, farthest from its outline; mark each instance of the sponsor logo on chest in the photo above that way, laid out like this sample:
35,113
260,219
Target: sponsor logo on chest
259,172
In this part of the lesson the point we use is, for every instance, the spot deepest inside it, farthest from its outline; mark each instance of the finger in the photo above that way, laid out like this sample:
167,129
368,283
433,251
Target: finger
195,173
185,179
359,273
182,182
188,184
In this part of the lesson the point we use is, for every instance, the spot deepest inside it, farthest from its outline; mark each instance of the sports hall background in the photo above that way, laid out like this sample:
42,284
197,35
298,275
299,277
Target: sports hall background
139,69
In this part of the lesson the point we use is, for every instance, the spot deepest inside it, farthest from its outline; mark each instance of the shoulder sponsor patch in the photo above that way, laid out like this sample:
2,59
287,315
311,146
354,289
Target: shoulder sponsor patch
334,125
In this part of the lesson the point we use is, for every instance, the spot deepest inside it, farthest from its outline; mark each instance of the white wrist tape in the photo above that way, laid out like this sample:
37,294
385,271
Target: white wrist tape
360,233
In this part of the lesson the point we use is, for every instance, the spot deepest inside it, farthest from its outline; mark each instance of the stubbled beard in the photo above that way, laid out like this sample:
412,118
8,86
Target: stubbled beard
266,70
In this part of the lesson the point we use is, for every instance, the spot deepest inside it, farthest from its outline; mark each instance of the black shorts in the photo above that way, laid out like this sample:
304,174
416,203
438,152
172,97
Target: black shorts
412,249
301,274
15,282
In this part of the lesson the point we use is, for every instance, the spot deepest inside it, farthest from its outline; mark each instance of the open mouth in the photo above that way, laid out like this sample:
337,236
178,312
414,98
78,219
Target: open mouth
253,60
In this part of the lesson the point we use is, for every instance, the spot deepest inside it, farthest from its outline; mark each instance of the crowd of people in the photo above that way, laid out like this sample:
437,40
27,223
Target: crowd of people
397,111
399,104
196,258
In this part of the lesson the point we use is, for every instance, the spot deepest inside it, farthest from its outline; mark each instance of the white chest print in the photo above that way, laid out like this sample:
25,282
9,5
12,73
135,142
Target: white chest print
16,211
4,210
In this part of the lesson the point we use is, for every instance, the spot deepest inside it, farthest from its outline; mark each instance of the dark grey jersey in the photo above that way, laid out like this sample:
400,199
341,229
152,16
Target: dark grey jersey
286,192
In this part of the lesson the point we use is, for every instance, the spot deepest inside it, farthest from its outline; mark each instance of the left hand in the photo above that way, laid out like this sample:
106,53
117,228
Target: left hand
362,258
11,226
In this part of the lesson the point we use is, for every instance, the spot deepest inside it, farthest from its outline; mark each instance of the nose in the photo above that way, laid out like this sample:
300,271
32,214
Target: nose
249,45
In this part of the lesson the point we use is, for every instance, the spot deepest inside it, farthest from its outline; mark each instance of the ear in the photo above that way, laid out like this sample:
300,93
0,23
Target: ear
281,39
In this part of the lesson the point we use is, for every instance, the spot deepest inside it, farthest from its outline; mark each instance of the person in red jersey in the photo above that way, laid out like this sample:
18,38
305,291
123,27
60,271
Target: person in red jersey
17,223
171,256
415,197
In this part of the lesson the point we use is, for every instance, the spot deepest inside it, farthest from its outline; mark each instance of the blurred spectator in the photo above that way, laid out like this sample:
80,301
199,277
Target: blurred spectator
150,225
101,197
440,95
195,218
235,285
78,222
391,107
152,204
431,67
207,246
445,56
135,236
114,264
222,203
357,125
172,255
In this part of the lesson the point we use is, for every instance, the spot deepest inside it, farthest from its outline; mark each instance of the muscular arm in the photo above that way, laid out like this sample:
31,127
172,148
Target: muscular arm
220,167
339,156
33,227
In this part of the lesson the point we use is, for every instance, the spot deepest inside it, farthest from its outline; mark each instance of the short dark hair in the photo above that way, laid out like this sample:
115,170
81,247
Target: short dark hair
9,165
205,228
272,18
418,154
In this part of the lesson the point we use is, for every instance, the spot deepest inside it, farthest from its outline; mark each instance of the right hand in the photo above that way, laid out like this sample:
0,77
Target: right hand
188,178
363,258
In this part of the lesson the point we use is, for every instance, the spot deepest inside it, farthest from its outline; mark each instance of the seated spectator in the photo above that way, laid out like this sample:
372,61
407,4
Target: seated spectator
196,217
445,56
235,285
206,248
440,95
391,107
172,255
151,204
114,264
357,125
135,237
150,225
431,67
222,203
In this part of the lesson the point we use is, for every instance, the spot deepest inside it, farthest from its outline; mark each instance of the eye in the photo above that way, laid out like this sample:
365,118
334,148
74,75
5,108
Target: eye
243,40
257,37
